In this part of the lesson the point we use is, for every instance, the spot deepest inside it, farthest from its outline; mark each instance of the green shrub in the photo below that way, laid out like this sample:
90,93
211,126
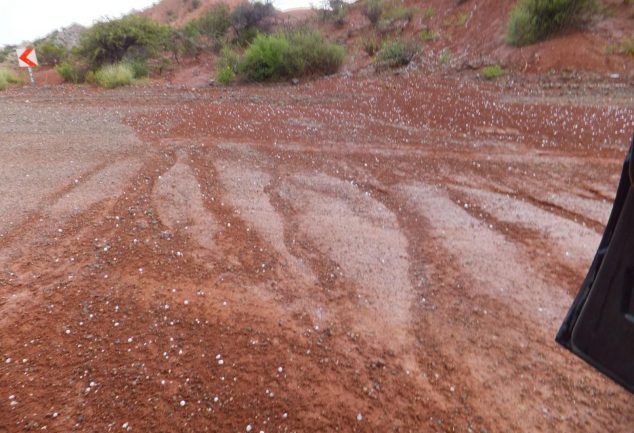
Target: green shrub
531,21
69,72
228,58
131,37
227,65
289,55
396,53
111,76
428,35
7,77
51,54
492,72
226,76
373,10
429,12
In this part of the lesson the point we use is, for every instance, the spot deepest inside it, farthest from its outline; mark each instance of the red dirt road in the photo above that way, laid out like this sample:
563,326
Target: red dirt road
392,254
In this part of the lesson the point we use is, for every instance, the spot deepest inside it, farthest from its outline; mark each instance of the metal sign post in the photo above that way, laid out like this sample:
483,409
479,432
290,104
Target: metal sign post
32,77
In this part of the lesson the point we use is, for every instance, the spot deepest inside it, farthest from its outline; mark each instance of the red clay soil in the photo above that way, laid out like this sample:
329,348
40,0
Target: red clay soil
385,254
474,35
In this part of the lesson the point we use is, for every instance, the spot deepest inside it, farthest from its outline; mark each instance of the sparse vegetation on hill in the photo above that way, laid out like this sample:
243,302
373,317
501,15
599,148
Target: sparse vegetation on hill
373,10
210,28
131,37
396,53
531,21
6,52
334,11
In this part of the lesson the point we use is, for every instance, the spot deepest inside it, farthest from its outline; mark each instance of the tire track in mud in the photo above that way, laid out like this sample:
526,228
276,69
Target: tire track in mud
573,243
341,221
522,314
310,226
179,202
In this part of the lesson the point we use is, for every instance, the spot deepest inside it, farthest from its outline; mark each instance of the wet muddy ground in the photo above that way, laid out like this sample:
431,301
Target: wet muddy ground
390,254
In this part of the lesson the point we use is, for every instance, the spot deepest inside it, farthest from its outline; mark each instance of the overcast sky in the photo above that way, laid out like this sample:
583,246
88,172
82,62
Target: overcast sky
23,20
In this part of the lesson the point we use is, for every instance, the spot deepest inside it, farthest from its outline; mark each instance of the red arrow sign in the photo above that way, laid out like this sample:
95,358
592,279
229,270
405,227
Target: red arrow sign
25,58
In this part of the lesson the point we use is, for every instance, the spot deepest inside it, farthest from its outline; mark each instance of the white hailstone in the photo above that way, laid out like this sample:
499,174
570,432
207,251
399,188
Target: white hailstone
359,417
216,399
92,384
186,302
280,369
12,397
8,361
221,361
68,331
183,403
124,426
285,415
249,428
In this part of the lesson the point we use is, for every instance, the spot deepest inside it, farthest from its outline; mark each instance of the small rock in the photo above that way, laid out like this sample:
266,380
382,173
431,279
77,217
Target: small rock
295,81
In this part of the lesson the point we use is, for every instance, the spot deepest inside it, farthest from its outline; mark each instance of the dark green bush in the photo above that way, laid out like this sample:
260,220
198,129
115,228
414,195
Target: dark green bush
531,21
289,55
131,37
396,53
139,69
251,15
